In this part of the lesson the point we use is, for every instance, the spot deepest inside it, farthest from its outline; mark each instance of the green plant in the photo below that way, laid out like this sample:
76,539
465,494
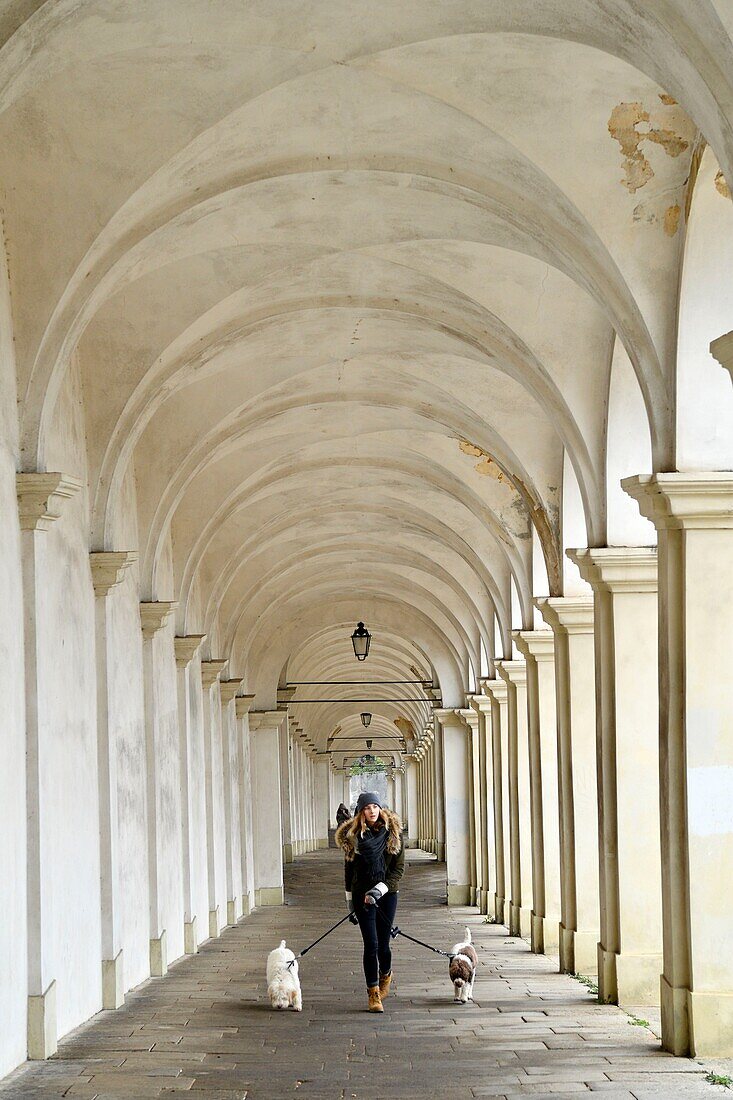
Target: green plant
590,985
719,1079
636,1021
489,920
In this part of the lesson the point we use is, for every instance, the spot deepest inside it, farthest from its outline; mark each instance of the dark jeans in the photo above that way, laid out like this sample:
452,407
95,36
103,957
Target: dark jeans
375,922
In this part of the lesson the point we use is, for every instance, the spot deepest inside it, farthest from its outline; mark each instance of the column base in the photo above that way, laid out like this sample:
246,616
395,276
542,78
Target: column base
158,956
459,894
483,902
269,895
440,850
537,938
520,921
711,1025
628,979
247,905
322,843
676,1024
288,856
233,913
585,950
214,926
42,1030
190,937
499,905
566,949
113,986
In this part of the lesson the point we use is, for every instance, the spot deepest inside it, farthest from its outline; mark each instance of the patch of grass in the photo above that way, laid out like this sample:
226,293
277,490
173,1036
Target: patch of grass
489,920
590,985
719,1079
636,1021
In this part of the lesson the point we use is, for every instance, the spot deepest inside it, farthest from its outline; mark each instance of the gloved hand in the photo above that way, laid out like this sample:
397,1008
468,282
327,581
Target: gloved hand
350,906
372,896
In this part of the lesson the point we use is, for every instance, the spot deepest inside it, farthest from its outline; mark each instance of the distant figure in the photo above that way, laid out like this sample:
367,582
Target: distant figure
342,814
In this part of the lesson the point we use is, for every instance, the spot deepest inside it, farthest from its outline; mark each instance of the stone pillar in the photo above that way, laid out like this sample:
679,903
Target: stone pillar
321,766
471,719
538,647
211,671
456,805
514,674
230,758
185,649
438,798
486,841
624,582
264,728
108,569
571,619
153,617
693,514
242,704
40,500
412,779
497,691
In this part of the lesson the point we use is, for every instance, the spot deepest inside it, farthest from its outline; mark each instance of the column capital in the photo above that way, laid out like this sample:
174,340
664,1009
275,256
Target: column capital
264,719
469,717
618,568
448,716
243,704
212,670
722,350
108,568
539,644
185,647
513,672
41,497
228,689
497,690
680,501
284,695
481,704
573,614
154,615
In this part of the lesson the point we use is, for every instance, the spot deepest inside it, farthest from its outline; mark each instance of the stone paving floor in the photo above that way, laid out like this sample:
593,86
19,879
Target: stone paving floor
206,1031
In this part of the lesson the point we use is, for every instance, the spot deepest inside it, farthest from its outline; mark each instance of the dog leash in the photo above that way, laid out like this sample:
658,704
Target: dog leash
307,949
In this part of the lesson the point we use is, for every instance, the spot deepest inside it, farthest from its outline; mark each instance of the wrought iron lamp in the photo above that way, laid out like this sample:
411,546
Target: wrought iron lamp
361,640
365,718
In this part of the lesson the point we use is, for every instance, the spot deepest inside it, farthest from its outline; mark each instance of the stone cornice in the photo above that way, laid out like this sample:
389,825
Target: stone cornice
498,690
722,350
243,704
538,644
469,716
481,704
154,615
41,497
228,689
618,568
448,716
572,614
264,719
212,670
284,695
513,672
186,647
684,501
108,568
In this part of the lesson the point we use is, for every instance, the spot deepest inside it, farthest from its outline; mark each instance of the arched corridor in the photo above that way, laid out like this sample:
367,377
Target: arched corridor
416,315
205,1031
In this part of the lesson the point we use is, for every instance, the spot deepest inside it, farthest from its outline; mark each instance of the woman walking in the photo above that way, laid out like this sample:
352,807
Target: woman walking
374,864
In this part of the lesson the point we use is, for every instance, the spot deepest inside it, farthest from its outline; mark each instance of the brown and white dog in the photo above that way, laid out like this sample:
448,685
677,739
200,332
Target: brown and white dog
462,969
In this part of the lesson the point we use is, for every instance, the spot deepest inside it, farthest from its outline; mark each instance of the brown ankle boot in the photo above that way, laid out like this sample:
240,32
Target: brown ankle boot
385,981
375,1001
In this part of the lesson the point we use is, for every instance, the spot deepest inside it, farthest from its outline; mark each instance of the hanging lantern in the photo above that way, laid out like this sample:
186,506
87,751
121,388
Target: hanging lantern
368,745
361,639
365,718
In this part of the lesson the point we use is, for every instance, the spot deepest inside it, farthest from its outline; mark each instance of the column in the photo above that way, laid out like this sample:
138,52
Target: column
264,728
497,691
153,617
108,569
571,619
242,704
693,514
185,649
471,718
412,770
438,800
514,674
40,500
321,768
230,759
538,647
624,582
456,805
486,842
211,671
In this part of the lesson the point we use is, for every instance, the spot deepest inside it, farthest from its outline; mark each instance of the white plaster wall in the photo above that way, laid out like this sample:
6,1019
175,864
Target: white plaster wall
69,771
127,725
704,391
13,951
628,452
573,531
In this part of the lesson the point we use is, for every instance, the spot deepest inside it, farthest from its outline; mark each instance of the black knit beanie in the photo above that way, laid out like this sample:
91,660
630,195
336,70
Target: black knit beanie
366,798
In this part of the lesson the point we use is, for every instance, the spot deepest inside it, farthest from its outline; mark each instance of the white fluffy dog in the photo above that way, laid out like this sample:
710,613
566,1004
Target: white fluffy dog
462,969
283,983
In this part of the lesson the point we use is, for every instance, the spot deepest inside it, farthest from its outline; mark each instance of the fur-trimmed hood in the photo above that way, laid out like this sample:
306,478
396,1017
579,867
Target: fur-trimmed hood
347,837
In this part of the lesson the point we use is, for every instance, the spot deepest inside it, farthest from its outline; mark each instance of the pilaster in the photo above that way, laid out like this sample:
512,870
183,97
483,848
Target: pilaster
185,649
514,674
693,514
264,728
211,674
242,707
482,706
498,692
41,499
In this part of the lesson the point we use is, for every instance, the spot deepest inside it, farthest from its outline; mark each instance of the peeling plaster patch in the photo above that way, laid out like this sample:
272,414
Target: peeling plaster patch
487,466
624,126
672,219
668,100
721,185
405,726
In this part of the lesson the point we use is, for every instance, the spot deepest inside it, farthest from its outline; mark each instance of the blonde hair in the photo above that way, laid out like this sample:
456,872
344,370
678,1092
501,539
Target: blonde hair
358,824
